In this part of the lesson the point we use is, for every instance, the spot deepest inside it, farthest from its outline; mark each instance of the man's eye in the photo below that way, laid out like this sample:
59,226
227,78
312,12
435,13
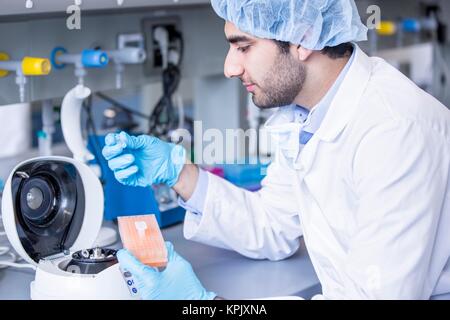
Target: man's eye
243,49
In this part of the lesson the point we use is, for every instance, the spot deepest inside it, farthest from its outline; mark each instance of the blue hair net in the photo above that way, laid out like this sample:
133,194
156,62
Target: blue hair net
313,24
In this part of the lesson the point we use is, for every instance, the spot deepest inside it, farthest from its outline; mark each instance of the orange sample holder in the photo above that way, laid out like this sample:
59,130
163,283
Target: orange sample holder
142,237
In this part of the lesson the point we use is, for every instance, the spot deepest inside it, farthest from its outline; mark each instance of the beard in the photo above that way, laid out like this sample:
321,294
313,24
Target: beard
281,84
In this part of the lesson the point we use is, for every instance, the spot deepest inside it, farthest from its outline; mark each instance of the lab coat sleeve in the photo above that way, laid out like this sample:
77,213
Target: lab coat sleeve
259,225
196,202
401,173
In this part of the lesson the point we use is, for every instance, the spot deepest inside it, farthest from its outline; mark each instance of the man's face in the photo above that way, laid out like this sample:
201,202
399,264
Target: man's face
274,78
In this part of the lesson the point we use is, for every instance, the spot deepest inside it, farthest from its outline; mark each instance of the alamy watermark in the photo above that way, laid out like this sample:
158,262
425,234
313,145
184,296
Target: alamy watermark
374,19
229,146
73,21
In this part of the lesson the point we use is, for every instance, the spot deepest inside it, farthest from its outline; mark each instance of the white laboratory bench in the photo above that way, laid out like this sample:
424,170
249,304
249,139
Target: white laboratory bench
225,272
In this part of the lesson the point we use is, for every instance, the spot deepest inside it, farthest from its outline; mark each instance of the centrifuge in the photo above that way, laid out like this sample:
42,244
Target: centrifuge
52,213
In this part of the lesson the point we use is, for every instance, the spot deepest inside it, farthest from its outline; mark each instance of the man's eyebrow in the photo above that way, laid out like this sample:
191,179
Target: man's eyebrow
236,39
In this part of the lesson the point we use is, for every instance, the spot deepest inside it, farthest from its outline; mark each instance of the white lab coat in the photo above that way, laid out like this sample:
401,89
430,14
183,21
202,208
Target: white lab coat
370,191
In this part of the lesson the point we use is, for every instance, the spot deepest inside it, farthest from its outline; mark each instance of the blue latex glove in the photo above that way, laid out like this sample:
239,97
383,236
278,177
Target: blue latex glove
177,282
144,160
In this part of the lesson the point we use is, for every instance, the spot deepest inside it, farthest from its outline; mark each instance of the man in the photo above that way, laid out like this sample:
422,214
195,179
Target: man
362,167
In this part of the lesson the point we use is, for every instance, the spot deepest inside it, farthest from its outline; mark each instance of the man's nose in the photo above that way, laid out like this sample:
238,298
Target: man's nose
232,67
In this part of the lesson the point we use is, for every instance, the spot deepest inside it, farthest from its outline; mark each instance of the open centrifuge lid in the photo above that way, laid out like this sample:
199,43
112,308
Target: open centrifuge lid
89,194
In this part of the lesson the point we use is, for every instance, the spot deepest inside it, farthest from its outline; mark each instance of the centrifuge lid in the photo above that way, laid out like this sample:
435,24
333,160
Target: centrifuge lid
83,237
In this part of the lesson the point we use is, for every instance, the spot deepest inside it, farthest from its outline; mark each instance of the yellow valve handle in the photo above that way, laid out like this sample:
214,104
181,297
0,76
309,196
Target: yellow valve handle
36,66
3,57
386,28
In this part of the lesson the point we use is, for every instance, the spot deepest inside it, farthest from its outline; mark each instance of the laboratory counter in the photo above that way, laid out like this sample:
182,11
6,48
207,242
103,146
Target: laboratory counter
227,273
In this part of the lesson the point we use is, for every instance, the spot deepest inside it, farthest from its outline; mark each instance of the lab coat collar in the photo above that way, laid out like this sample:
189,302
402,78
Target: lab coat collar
342,107
284,127
347,98
283,116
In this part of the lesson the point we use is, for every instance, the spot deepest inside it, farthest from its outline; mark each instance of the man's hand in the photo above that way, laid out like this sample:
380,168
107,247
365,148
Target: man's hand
143,160
177,282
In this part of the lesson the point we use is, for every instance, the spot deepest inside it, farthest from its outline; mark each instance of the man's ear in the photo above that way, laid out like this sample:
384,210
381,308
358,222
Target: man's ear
303,53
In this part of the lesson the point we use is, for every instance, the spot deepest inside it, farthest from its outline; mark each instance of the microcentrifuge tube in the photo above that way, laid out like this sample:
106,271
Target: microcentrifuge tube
141,226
